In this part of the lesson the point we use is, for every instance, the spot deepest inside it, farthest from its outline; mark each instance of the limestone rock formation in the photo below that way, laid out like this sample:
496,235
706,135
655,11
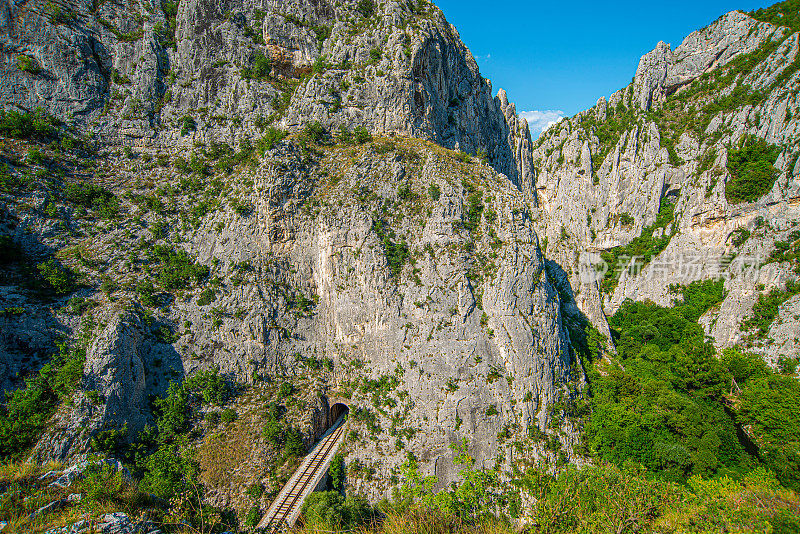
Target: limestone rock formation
135,73
661,146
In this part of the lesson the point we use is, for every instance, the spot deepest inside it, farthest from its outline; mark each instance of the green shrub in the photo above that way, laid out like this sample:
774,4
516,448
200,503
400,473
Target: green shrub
313,133
173,411
255,490
396,253
228,415
169,471
253,516
474,210
188,125
27,410
109,440
740,236
210,385
206,297
212,419
752,171
94,197
366,8
101,484
337,472
272,137
57,15
788,366
286,389
660,407
273,432
55,278
328,510
28,64
147,293
362,135
177,269
293,443
625,219
31,125
260,67
320,65
435,192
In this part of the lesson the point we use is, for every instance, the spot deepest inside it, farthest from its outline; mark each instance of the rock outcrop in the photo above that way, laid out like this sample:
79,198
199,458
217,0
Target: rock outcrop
661,146
113,392
136,73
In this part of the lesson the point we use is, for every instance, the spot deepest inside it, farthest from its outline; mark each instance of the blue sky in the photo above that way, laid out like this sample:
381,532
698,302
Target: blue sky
558,57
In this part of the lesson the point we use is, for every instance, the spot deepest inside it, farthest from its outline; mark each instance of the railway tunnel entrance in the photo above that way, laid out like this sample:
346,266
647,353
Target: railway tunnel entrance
337,410
285,509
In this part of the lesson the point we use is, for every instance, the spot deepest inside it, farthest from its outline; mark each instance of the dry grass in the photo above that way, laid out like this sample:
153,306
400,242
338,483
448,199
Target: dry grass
418,521
18,472
22,493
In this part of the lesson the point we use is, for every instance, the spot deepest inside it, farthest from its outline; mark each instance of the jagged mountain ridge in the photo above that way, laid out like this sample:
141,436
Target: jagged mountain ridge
661,145
131,72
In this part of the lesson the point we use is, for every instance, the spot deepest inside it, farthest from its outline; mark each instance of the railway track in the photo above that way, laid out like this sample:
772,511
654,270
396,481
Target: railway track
286,507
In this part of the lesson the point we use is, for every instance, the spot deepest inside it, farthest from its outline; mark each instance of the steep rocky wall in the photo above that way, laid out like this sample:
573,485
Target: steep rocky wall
417,274
607,173
133,71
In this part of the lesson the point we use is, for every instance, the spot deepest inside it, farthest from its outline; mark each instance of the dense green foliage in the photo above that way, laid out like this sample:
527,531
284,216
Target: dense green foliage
337,472
94,197
769,406
34,125
177,270
329,510
781,14
665,403
259,69
752,171
660,405
53,278
27,410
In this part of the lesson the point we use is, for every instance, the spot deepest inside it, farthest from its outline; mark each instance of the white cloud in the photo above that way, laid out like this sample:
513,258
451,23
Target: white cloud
487,57
540,121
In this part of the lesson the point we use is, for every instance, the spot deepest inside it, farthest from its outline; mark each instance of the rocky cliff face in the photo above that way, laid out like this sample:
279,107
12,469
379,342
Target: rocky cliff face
415,273
654,161
390,260
135,73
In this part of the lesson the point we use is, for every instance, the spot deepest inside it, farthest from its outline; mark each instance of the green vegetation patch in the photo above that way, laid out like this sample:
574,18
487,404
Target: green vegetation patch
781,14
766,310
397,252
752,171
644,247
33,125
259,68
787,251
177,269
26,411
661,407
94,197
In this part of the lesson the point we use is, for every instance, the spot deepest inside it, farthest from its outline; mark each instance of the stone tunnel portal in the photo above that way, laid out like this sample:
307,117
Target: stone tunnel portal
336,411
